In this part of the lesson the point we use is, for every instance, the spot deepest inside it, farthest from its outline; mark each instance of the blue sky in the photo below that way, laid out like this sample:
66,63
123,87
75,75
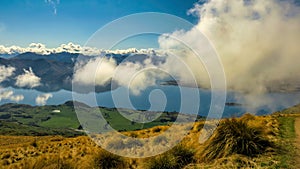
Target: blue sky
25,21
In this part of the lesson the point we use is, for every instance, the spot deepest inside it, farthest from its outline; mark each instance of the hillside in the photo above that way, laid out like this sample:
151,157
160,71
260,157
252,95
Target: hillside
82,152
246,142
16,119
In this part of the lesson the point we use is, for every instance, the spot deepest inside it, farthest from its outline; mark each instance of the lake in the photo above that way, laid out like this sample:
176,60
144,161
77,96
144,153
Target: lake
258,104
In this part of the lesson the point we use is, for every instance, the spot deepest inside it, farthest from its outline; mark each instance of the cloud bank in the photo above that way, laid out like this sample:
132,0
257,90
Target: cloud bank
106,70
257,42
28,79
85,74
40,48
43,98
6,72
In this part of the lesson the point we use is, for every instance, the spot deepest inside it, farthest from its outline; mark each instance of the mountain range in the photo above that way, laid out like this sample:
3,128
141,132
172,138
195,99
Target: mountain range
55,70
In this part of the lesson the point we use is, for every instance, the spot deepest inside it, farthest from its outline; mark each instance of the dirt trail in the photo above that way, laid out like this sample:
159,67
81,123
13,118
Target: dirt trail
297,141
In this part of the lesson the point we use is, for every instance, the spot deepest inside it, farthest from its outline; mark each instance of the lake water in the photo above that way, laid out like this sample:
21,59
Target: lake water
258,104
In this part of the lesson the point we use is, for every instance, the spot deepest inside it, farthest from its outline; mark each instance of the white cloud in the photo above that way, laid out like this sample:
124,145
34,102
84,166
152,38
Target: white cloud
258,42
70,47
43,98
98,71
6,94
9,95
38,48
28,79
6,72
17,98
137,76
12,50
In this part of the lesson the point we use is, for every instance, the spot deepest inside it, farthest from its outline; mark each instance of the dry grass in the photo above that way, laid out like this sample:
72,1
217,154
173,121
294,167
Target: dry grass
235,136
106,160
49,162
229,147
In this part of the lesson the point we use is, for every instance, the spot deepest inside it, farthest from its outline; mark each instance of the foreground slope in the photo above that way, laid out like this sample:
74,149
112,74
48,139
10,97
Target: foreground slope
246,142
82,152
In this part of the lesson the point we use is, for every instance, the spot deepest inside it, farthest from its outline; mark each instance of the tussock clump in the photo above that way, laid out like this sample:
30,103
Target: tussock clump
177,158
183,154
156,130
133,135
34,143
198,127
235,136
164,161
106,160
247,117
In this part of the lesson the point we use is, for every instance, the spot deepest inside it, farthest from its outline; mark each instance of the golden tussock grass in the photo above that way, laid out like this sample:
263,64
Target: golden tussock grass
236,143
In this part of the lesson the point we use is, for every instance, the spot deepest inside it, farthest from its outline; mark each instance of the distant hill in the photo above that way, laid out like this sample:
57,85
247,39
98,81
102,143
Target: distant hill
7,56
63,57
54,75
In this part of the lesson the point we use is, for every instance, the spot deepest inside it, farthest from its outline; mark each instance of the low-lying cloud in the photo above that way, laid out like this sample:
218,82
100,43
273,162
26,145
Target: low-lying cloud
6,72
137,76
43,98
17,98
9,95
258,42
103,71
28,79
86,74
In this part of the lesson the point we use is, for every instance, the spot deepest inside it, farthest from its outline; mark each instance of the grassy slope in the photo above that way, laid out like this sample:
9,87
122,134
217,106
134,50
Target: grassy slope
81,150
65,119
42,118
287,135
287,152
17,129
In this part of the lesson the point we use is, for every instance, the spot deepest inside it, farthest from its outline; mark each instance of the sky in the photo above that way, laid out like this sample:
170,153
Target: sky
257,41
54,22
